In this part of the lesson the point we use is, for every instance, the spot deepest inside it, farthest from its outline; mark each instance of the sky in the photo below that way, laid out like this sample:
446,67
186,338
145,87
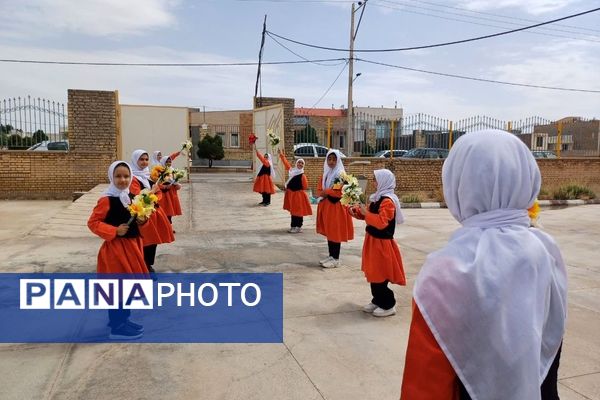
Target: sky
565,54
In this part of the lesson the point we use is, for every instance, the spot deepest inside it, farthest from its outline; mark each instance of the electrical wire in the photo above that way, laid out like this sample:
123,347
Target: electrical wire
437,44
478,79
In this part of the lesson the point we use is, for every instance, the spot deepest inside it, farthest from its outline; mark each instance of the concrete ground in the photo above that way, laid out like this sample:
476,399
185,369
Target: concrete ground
331,349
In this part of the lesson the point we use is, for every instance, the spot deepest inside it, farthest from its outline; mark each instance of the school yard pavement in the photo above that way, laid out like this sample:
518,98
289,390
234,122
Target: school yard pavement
331,350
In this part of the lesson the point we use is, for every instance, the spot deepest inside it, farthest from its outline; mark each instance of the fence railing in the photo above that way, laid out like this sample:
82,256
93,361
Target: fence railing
374,135
27,121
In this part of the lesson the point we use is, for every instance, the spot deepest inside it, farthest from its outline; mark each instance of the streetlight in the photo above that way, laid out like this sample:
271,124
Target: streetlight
356,76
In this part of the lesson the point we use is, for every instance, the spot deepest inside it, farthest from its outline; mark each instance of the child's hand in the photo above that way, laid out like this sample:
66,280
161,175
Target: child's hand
141,220
363,209
177,186
122,229
155,188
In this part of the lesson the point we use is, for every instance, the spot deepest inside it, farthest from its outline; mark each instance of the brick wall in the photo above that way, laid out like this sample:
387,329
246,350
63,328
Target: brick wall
56,175
424,177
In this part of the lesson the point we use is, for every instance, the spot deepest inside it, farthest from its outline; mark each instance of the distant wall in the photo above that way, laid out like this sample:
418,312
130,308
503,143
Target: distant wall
56,175
424,177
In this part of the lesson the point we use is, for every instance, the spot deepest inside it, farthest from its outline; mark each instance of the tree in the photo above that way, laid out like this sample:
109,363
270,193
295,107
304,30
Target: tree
306,135
39,136
211,148
6,129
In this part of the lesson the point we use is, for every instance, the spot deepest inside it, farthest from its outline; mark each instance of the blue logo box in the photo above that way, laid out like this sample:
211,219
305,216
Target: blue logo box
175,308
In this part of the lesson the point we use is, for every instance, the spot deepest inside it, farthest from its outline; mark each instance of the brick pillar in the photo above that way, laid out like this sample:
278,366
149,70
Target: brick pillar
93,121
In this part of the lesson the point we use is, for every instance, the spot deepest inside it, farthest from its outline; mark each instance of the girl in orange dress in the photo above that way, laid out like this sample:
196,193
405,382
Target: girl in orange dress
295,199
170,200
122,250
157,230
490,306
264,179
381,259
333,221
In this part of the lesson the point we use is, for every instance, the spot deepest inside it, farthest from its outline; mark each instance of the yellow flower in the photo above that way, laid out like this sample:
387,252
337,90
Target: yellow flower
157,171
534,210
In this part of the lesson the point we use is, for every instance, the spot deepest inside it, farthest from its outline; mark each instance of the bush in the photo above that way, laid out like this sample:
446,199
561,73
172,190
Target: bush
411,198
211,148
544,195
574,192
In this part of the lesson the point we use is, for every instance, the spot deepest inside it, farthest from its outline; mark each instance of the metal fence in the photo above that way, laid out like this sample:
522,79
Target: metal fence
27,121
374,135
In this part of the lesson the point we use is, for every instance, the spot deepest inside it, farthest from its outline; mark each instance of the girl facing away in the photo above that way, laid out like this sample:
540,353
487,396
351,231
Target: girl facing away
381,259
489,308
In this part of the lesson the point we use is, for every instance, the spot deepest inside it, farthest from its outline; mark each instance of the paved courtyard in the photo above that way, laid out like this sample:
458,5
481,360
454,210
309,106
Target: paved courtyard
331,350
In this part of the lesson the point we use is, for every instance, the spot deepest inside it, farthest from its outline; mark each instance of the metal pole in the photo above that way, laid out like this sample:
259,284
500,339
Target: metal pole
449,135
392,139
558,139
350,129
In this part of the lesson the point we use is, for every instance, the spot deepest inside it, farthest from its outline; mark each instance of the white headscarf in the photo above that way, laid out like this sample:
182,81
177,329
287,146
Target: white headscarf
495,297
270,160
141,174
114,191
163,161
155,160
295,171
386,183
329,174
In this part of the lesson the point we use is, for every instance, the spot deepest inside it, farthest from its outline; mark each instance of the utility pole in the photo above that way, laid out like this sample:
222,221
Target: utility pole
350,116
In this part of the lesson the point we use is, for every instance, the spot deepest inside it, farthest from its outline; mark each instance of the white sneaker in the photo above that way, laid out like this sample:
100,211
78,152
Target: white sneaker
333,263
380,312
298,229
292,229
323,261
369,308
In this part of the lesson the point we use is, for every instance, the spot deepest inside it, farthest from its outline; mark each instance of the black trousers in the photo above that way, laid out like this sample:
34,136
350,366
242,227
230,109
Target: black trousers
334,249
170,218
297,221
266,198
118,316
150,255
549,388
383,296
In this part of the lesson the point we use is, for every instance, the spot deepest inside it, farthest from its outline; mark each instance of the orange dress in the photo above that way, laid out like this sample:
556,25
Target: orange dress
296,201
117,255
428,375
170,200
381,259
333,220
264,183
157,229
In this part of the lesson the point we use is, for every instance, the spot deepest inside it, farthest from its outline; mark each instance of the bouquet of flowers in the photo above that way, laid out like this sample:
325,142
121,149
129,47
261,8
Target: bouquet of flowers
252,138
186,146
142,205
352,194
160,173
273,138
178,174
534,213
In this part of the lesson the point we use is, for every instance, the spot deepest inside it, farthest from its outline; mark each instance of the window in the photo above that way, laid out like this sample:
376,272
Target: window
235,139
342,145
382,129
539,141
321,151
304,151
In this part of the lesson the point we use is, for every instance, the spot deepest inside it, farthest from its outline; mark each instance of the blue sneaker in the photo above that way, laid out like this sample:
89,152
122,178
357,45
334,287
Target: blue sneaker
124,332
135,326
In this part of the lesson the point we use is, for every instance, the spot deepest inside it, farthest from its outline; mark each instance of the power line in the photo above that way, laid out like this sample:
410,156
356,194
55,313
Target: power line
125,64
302,57
478,79
499,15
439,44
402,5
330,86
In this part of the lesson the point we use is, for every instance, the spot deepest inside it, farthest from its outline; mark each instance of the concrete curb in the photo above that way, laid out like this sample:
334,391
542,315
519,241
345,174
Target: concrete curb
543,203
